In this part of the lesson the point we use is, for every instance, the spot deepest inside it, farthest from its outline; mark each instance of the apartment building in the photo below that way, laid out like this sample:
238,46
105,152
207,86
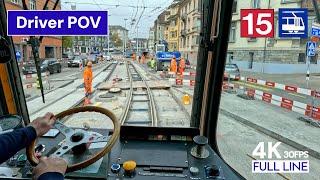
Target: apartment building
121,31
190,24
151,39
160,26
51,47
268,55
172,27
94,44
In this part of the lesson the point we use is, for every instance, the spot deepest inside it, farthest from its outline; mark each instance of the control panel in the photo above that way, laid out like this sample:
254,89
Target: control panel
160,154
175,159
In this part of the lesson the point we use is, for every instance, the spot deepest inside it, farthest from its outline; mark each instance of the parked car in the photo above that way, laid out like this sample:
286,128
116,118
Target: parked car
76,61
50,65
93,58
107,57
231,71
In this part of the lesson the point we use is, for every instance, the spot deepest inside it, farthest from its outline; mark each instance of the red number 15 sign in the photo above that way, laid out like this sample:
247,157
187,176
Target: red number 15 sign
257,22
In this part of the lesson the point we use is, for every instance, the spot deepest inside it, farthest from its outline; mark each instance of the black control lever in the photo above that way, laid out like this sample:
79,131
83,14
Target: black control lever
200,151
35,44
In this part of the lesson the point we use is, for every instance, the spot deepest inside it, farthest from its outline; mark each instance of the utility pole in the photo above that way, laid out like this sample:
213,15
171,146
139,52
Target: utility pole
108,43
137,42
265,47
316,9
125,36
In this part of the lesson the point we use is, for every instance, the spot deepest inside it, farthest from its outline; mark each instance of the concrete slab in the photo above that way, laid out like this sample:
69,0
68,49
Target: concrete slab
161,84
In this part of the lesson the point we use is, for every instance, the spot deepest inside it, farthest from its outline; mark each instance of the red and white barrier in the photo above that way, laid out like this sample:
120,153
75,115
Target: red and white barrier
286,103
29,85
186,78
30,76
289,88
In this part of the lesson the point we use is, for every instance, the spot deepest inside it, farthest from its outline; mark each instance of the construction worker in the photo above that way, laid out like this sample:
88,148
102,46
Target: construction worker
153,64
182,65
173,65
133,56
143,58
87,77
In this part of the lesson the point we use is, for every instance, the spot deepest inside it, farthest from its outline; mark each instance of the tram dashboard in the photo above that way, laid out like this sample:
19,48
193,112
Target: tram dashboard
142,153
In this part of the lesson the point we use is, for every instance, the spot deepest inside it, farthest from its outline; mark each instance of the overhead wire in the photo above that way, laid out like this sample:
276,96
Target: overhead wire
116,5
137,23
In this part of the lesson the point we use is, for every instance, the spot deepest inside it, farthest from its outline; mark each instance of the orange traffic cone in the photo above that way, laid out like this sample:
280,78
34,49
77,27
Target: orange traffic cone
186,99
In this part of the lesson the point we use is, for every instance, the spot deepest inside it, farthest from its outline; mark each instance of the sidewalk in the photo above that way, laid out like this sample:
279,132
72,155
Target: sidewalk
298,80
274,121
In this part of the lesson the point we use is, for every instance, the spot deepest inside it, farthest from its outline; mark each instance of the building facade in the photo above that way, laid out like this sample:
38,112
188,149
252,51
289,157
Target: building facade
160,27
151,39
50,47
268,55
173,27
121,32
190,24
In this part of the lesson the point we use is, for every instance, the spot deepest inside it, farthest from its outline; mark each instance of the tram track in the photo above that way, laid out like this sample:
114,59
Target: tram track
140,109
64,94
169,108
70,96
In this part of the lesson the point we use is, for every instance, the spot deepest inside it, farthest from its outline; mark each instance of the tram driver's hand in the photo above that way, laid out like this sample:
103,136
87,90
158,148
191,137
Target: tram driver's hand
49,164
43,124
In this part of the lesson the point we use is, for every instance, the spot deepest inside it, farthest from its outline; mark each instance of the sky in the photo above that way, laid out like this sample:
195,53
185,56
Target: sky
119,10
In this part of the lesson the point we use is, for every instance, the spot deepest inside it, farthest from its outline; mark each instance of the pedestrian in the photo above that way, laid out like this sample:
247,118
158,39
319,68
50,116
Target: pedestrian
87,77
182,65
173,65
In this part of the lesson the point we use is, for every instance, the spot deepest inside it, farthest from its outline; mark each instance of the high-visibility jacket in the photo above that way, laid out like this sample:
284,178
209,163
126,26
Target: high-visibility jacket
182,65
133,56
173,65
87,77
153,63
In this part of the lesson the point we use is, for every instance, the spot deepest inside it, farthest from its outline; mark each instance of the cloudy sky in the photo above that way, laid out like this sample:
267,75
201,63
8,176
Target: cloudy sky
119,10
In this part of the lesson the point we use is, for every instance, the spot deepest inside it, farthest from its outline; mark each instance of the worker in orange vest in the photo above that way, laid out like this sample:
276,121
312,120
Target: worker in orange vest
133,56
87,77
143,58
182,65
173,65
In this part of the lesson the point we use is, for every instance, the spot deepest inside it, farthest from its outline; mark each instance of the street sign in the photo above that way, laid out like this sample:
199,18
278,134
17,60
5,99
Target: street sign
18,55
315,30
311,48
257,23
293,22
